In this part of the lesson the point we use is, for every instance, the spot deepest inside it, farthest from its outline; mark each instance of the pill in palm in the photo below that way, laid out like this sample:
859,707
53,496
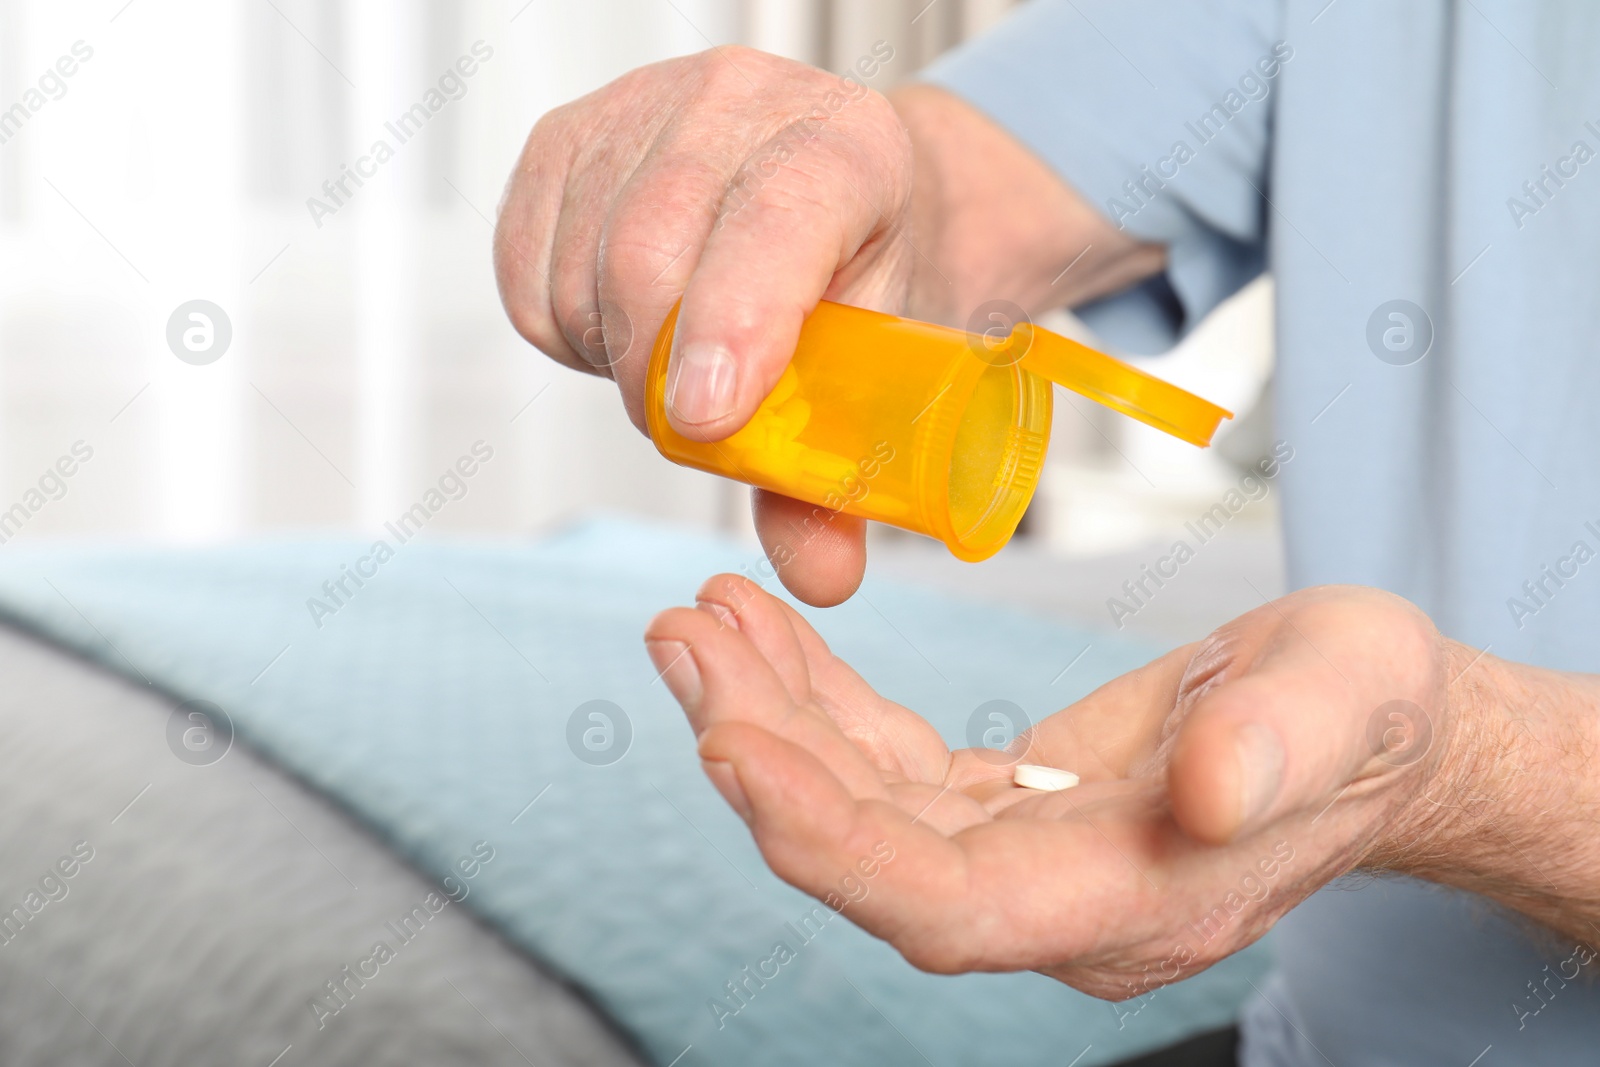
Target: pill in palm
1047,779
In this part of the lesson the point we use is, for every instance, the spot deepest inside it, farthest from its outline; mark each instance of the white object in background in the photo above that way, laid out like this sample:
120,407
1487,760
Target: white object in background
791,28
856,29
183,236
385,56
1128,484
346,329
1044,779
978,16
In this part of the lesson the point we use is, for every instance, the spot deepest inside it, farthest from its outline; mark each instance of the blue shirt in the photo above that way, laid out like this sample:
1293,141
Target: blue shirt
1422,180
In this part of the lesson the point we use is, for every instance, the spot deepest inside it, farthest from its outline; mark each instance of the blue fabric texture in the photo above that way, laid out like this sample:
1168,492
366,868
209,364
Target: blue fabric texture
1105,92
1421,179
435,704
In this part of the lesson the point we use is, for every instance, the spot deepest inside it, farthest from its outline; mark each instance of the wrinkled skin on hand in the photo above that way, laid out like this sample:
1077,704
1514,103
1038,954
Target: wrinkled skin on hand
1221,784
751,185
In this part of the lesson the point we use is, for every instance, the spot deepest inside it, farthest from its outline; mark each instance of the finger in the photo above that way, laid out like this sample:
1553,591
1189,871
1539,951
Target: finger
814,835
818,655
820,555
650,245
574,268
718,675
897,740
738,602
1291,734
1004,895
550,235
835,685
524,238
796,214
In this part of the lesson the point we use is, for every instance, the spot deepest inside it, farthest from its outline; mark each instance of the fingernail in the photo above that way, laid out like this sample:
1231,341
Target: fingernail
1260,756
726,779
678,669
701,383
723,616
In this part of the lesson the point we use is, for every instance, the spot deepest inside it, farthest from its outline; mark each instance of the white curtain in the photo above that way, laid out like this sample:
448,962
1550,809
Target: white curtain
368,352
157,152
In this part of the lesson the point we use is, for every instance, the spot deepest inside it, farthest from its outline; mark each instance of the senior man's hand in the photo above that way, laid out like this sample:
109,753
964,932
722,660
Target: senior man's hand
753,186
1221,785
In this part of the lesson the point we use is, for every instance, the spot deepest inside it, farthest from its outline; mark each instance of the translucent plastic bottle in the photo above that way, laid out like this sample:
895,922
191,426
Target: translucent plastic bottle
931,429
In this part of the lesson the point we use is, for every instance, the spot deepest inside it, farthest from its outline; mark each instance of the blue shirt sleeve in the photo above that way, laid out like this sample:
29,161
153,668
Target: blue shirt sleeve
1159,112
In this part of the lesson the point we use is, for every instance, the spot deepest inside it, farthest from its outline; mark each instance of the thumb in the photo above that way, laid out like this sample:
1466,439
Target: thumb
1326,693
1285,740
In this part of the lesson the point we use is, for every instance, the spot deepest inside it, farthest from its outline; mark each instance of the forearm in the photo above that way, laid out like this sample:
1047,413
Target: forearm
991,221
1513,812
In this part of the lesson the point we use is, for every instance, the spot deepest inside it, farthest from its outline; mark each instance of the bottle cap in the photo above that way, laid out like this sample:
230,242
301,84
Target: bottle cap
1113,383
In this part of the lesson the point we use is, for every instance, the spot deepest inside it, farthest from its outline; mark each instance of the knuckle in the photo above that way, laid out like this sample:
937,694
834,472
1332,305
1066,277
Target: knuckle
936,951
598,336
718,73
747,328
738,70
534,318
534,326
651,237
740,54
515,270
569,323
547,129
732,590
807,195
936,959
820,178
1116,988
572,273
526,301
548,151
638,255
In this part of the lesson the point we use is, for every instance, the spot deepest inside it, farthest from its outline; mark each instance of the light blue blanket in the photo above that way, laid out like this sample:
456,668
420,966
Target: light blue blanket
434,700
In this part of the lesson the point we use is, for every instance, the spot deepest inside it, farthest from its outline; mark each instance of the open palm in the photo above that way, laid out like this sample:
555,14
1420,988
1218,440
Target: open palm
1221,784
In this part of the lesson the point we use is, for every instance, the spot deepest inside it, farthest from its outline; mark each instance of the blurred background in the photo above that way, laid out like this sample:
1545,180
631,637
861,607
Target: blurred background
368,349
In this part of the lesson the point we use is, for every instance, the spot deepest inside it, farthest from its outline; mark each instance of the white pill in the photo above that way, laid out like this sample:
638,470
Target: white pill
1047,779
